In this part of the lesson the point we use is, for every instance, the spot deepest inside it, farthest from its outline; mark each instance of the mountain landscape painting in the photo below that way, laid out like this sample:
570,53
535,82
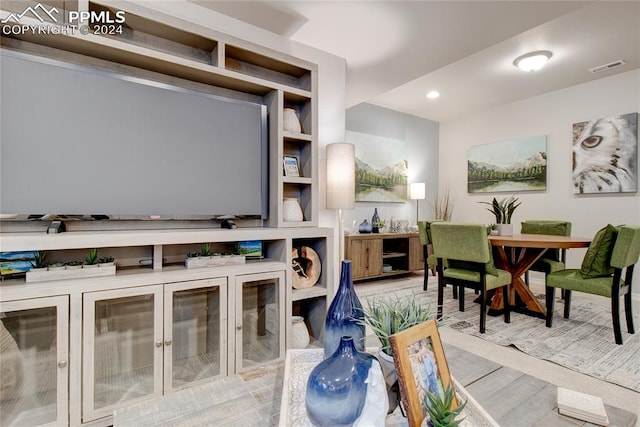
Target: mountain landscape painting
509,166
381,168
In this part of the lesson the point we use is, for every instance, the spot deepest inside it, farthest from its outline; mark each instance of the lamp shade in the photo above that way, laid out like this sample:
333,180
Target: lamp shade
417,191
341,176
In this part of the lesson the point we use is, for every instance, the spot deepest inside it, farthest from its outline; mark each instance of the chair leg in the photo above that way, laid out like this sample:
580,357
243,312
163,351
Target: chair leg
440,296
507,305
455,292
567,303
483,311
550,296
628,311
615,313
526,278
425,268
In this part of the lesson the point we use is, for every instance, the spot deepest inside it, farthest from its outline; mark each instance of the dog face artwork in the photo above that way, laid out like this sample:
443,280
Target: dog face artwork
605,155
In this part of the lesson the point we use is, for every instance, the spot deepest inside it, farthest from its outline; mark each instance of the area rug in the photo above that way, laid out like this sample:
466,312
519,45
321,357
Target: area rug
583,343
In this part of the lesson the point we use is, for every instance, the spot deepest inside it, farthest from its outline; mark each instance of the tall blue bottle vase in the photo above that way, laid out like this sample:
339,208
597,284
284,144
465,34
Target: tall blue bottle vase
345,315
343,389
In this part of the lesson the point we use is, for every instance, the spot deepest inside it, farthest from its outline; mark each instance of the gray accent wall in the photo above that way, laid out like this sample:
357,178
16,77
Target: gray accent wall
422,136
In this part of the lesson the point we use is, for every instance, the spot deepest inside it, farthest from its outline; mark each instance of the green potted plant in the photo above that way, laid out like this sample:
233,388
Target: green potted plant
56,266
91,259
39,261
74,265
106,261
503,211
206,250
386,317
439,409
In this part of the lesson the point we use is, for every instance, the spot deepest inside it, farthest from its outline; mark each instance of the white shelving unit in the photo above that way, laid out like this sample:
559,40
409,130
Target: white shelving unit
150,262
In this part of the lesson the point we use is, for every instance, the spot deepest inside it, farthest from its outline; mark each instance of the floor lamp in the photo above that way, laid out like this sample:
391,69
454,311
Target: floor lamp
341,183
417,193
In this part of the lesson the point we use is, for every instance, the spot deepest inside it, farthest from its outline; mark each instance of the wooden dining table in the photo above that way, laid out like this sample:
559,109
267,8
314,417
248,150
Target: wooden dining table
516,254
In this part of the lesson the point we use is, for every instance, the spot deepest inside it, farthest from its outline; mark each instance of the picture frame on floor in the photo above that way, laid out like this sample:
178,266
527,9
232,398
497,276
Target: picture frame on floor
421,366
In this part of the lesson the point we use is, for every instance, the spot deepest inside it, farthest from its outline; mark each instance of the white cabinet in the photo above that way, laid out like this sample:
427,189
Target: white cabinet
145,341
259,320
34,378
195,332
122,348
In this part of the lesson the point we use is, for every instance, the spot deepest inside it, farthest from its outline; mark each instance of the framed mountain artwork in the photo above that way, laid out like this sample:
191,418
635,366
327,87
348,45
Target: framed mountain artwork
381,167
509,166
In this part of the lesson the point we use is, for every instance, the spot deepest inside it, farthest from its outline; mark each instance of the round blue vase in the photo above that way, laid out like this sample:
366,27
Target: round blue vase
345,315
336,389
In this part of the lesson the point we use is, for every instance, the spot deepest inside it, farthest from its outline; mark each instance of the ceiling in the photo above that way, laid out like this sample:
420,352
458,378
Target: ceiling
396,51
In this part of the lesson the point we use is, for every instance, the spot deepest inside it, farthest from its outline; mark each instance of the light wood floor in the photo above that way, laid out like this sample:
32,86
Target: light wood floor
512,358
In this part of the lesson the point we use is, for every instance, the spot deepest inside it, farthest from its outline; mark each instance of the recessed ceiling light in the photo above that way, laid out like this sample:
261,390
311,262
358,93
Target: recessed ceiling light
532,61
433,94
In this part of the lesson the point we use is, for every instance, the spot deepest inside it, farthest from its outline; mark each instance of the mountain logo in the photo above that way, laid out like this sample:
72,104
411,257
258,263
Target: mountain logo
34,11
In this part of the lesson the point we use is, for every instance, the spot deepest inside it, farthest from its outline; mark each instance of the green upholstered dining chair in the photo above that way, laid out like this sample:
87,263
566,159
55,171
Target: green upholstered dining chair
469,264
612,253
551,260
424,231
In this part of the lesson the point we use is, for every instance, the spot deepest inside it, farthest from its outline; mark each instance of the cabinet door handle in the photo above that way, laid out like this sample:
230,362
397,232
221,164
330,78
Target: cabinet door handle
62,364
167,342
366,251
159,343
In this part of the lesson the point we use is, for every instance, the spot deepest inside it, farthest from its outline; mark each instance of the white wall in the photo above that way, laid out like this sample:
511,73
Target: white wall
551,114
421,136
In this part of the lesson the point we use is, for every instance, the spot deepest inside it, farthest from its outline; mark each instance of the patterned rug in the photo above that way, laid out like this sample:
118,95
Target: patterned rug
583,343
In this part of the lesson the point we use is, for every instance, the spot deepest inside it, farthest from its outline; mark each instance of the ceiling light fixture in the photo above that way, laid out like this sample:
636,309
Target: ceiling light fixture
532,61
433,94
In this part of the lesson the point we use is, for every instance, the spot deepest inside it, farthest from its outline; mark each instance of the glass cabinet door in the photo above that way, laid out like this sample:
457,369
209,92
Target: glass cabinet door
195,332
122,348
34,350
260,313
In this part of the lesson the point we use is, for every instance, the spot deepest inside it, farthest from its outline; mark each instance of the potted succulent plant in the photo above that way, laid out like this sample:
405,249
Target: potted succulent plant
439,409
91,259
39,261
74,265
503,211
56,266
386,317
105,261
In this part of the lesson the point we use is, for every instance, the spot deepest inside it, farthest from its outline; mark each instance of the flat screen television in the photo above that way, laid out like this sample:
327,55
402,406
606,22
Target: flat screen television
77,140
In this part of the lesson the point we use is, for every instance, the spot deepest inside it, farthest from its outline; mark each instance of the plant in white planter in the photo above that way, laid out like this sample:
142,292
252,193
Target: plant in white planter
39,261
56,266
106,261
386,317
503,211
74,265
91,259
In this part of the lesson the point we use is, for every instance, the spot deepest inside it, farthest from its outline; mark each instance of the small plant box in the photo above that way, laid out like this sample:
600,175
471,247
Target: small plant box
214,261
44,275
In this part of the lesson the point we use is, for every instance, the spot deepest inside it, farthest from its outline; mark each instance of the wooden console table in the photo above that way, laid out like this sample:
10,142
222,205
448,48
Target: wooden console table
369,253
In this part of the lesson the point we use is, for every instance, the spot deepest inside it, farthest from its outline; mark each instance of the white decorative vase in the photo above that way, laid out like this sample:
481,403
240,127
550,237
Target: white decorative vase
505,229
291,121
299,333
291,210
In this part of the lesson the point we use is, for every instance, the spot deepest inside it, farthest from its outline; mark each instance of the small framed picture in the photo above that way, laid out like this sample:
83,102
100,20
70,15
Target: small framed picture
421,367
291,167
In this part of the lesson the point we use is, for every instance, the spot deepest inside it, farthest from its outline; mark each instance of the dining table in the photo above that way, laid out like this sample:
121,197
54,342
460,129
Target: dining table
516,254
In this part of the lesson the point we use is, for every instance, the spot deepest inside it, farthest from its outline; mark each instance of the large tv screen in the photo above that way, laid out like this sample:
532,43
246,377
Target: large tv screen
81,141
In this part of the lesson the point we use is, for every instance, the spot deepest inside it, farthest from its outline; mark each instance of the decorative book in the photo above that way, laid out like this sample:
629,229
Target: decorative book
582,406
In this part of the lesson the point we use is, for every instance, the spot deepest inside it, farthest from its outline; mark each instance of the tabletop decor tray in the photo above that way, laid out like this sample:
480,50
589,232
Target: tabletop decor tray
300,363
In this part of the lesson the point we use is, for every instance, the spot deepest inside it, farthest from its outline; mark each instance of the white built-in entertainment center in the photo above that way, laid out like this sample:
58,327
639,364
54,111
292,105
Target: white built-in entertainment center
81,348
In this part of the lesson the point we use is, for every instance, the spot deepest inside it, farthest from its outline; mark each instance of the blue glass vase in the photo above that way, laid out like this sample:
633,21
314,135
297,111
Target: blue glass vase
336,389
345,315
